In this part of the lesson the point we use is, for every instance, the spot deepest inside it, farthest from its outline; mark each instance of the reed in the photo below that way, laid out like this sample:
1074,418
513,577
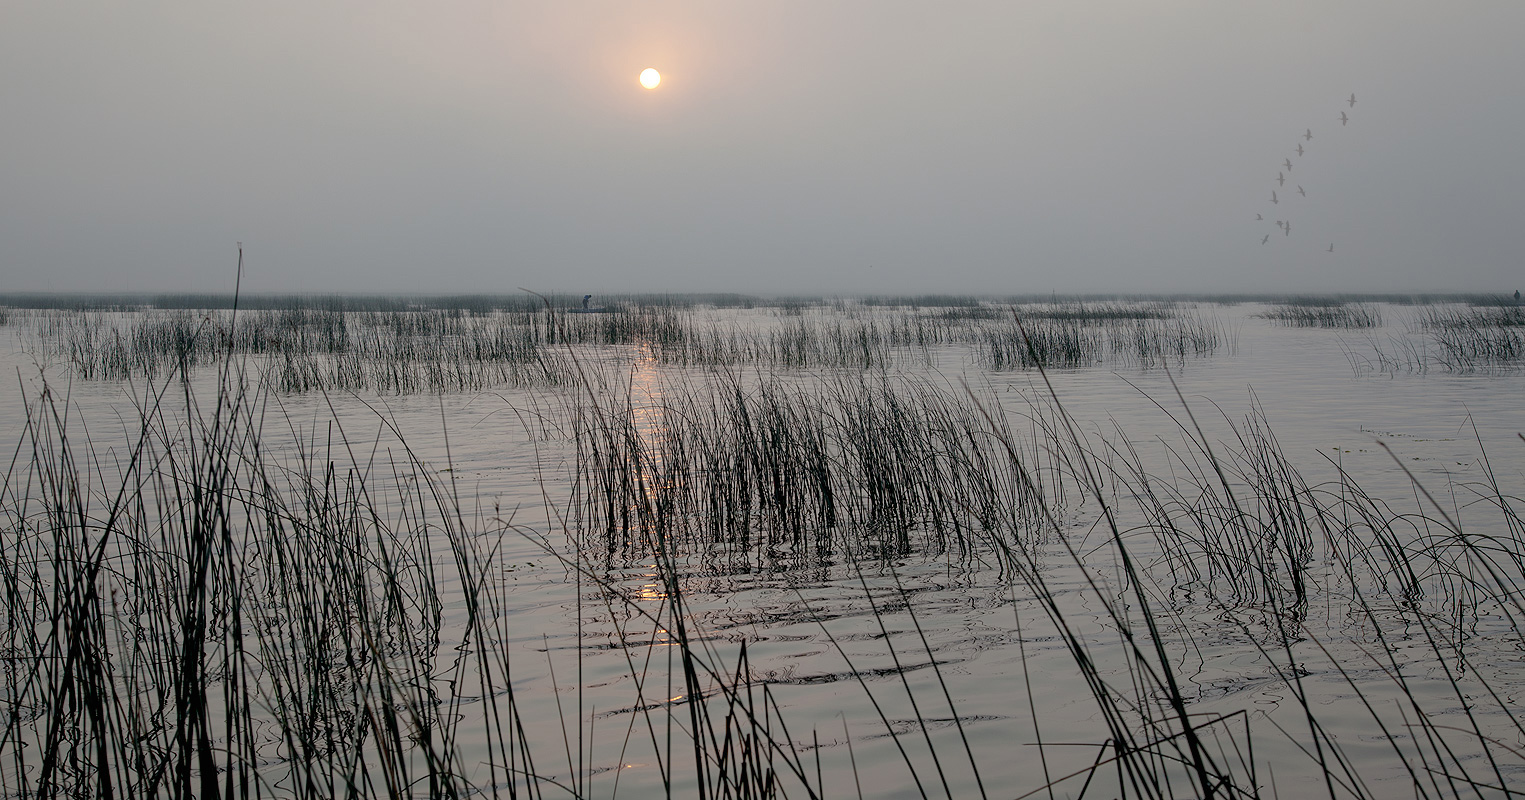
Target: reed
1102,312
205,618
777,476
800,473
311,349
1458,339
1072,340
209,609
1326,314
1478,337
338,348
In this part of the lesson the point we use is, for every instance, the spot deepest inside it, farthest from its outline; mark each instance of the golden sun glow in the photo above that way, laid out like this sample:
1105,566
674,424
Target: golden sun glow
650,78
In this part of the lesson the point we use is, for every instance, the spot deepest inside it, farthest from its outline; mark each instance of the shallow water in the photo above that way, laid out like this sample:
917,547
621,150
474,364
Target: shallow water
831,637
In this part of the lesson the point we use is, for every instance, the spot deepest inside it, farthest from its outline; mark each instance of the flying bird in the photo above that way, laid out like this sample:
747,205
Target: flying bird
1287,229
1267,239
1308,135
1331,247
1281,180
1287,164
1300,191
1352,99
1299,148
1280,224
1343,118
1273,197
1259,218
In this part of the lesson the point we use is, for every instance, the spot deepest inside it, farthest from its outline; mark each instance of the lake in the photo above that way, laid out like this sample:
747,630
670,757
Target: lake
809,548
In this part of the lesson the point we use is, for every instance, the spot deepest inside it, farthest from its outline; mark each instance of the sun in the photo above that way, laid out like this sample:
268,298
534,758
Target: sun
650,78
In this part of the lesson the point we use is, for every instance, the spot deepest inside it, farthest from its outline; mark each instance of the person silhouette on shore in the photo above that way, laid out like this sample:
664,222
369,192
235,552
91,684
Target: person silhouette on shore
585,299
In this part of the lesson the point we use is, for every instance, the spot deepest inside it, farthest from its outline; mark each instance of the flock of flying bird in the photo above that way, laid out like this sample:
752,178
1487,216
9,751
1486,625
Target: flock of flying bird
1281,179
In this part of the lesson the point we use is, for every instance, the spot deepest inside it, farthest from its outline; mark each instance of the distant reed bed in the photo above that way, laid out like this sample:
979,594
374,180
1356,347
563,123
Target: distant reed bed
1326,315
337,348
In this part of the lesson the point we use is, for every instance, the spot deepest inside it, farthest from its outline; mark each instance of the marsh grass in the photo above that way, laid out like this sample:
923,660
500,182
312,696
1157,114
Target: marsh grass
1456,338
190,618
335,347
772,471
1096,313
300,350
195,611
1326,314
200,616
1073,340
802,472
1476,337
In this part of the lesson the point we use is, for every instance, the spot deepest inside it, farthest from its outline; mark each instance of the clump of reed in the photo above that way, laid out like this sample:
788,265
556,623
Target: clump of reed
196,619
1101,312
1464,348
1051,344
777,475
915,302
1476,337
1325,314
1391,565
1389,355
203,615
390,351
1071,341
807,471
804,343
1459,339
1151,341
120,302
1498,316
315,349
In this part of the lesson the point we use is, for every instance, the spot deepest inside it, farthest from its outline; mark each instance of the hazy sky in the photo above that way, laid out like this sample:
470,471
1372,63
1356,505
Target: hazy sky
792,147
